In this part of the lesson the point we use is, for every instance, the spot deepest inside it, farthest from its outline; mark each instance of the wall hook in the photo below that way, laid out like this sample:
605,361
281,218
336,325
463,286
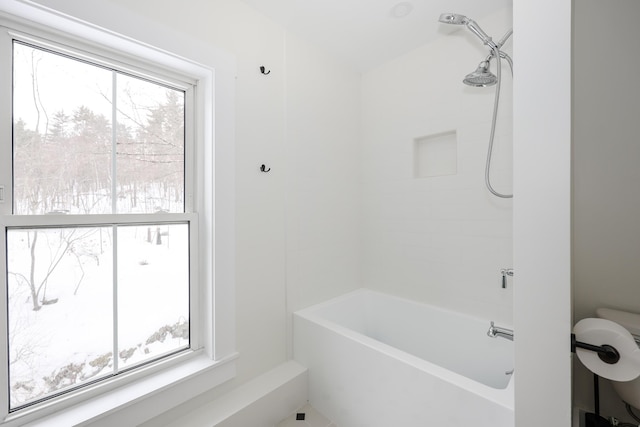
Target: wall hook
264,169
262,70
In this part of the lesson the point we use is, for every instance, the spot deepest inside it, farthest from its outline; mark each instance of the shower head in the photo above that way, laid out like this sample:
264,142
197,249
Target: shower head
453,18
481,77
457,19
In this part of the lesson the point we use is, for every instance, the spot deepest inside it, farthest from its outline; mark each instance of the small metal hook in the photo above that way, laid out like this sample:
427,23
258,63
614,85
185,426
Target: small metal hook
263,70
264,169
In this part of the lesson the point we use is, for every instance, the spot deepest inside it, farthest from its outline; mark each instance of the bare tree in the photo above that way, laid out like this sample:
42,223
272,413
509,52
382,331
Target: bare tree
69,241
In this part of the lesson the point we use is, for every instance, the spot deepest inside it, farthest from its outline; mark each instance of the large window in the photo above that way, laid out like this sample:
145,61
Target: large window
98,223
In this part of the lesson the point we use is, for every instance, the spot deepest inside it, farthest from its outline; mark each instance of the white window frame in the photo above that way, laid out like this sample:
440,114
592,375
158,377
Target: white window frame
213,360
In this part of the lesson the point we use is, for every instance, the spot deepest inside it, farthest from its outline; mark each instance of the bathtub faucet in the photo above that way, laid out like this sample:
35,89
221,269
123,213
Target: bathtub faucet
497,331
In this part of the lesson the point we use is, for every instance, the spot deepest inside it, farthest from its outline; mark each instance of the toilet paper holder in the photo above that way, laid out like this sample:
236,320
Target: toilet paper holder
606,353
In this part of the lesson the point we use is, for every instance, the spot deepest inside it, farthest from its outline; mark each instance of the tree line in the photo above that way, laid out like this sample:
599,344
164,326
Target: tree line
68,168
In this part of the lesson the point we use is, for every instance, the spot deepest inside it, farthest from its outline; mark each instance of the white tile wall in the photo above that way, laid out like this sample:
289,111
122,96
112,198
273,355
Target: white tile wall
322,186
440,239
435,155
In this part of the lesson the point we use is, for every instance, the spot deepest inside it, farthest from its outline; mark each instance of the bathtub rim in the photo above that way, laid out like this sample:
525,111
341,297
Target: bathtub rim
503,397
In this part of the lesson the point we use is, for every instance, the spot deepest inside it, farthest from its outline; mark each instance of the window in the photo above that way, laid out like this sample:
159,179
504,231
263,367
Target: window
147,52
99,231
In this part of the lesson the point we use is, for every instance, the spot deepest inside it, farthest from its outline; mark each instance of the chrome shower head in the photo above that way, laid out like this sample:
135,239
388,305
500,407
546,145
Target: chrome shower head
453,18
457,19
481,77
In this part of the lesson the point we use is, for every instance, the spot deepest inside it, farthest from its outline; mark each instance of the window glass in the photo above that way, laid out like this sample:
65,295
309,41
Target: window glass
68,155
153,291
60,310
150,147
62,141
88,298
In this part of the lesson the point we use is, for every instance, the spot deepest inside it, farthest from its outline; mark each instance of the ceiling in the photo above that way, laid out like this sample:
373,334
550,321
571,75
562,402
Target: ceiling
366,33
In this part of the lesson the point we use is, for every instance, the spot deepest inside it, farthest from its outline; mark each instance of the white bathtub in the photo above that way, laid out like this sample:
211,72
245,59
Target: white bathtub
376,360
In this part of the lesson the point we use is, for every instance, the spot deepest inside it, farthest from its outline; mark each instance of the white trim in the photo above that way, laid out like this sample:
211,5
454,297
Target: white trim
195,328
99,56
4,332
6,124
190,108
215,166
6,181
114,142
28,221
111,386
115,305
107,403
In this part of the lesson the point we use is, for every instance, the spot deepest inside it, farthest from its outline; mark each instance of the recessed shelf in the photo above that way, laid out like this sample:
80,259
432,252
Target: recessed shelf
436,155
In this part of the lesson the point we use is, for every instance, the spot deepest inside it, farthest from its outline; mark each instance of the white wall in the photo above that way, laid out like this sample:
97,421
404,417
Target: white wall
440,239
606,206
541,212
322,185
293,248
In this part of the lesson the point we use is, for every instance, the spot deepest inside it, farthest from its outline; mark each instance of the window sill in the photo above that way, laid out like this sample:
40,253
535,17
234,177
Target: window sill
165,389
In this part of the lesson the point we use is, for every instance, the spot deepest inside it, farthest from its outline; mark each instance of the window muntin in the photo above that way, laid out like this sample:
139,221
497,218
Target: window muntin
146,153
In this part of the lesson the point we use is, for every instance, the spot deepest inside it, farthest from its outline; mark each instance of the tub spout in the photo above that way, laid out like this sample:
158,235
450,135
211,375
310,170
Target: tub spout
497,331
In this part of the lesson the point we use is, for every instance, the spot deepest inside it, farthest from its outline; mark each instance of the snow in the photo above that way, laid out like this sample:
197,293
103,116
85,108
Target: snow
152,293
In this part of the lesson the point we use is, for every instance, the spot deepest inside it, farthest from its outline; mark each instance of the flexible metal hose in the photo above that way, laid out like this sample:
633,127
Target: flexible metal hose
499,55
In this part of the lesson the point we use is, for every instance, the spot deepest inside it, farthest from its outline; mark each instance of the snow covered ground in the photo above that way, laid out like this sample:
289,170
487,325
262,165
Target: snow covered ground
70,339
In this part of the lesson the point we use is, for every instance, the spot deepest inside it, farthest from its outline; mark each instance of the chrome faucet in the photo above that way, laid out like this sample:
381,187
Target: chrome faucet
497,331
506,272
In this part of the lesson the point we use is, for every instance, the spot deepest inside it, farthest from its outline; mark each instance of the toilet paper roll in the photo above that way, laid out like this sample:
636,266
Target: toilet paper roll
600,332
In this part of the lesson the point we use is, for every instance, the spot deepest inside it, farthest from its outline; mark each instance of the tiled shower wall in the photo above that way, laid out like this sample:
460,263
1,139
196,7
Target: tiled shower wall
431,230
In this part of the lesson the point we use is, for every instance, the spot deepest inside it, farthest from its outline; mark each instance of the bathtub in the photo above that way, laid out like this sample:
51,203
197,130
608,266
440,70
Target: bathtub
377,360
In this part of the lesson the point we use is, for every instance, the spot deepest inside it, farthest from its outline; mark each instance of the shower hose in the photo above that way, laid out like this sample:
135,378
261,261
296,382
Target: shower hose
499,55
